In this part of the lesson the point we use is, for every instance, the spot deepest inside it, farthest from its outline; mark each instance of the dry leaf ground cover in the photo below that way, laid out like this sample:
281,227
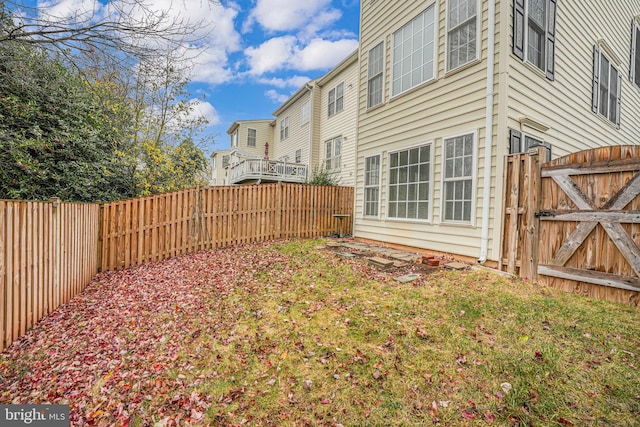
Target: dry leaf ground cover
287,334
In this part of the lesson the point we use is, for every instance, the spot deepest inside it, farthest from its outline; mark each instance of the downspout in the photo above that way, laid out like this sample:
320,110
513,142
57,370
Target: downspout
488,145
310,89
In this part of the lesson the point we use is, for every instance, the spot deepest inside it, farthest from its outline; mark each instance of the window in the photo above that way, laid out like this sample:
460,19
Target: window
298,155
518,144
336,99
635,53
414,53
214,163
371,185
534,33
251,137
462,36
607,86
333,148
305,114
375,76
225,161
409,183
458,178
284,128
234,138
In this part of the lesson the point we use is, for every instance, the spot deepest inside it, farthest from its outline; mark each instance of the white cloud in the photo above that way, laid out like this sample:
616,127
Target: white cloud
81,9
283,53
291,82
204,109
271,55
276,97
289,15
320,54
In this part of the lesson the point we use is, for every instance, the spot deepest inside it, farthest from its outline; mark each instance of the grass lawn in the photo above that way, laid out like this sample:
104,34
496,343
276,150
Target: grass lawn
290,334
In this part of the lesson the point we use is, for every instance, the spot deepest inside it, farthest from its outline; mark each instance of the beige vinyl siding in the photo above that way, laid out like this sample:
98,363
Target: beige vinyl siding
264,133
564,105
298,134
341,124
452,104
317,152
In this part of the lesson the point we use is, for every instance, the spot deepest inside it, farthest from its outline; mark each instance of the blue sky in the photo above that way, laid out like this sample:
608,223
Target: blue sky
253,53
271,48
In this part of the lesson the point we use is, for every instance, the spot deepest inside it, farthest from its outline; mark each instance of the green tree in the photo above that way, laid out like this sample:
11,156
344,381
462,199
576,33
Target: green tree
53,132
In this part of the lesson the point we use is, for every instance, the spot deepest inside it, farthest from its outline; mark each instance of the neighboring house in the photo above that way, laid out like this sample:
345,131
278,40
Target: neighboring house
448,88
218,167
315,128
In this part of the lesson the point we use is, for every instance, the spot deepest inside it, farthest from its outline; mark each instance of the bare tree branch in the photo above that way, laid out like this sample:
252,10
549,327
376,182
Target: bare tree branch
133,29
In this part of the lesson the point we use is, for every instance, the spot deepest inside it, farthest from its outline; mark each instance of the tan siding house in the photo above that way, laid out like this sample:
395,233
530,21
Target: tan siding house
338,109
448,88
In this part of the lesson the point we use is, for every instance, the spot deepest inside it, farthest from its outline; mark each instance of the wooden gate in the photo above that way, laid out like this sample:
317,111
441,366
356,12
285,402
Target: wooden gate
574,222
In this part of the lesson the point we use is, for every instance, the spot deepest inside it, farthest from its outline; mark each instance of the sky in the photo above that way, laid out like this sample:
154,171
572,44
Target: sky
264,50
254,54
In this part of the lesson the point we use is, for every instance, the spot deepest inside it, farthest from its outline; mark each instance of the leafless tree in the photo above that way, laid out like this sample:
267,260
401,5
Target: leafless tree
130,29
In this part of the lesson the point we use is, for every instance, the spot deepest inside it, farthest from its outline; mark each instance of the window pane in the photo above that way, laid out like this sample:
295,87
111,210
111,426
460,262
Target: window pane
410,169
613,96
393,160
604,86
458,164
412,63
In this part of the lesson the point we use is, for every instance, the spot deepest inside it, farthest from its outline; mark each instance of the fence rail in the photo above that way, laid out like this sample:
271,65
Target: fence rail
49,251
47,255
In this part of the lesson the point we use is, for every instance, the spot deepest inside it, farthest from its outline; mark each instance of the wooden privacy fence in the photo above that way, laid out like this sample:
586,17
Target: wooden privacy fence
49,251
47,255
159,227
574,222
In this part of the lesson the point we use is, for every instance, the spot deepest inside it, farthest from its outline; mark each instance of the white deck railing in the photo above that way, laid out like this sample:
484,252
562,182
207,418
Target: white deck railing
269,170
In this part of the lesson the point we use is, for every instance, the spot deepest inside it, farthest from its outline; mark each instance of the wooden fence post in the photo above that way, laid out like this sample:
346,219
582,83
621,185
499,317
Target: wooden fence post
55,221
531,224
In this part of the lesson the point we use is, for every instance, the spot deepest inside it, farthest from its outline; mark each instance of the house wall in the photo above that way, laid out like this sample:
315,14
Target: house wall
559,112
564,105
218,173
299,134
452,104
264,133
341,124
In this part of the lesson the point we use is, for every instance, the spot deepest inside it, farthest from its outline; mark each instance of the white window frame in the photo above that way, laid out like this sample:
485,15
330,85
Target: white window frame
521,142
376,186
226,159
298,155
380,75
305,113
336,104
598,55
542,66
434,58
478,20
249,138
634,66
429,200
472,178
284,128
332,161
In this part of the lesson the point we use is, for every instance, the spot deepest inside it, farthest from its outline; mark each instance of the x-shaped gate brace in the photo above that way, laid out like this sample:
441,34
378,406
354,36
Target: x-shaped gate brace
610,217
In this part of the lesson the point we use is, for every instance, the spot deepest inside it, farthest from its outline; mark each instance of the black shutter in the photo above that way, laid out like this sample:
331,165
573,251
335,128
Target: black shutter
596,79
551,39
515,139
619,103
633,72
518,28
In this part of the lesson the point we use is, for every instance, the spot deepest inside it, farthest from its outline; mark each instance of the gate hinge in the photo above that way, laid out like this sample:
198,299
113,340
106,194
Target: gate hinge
540,214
